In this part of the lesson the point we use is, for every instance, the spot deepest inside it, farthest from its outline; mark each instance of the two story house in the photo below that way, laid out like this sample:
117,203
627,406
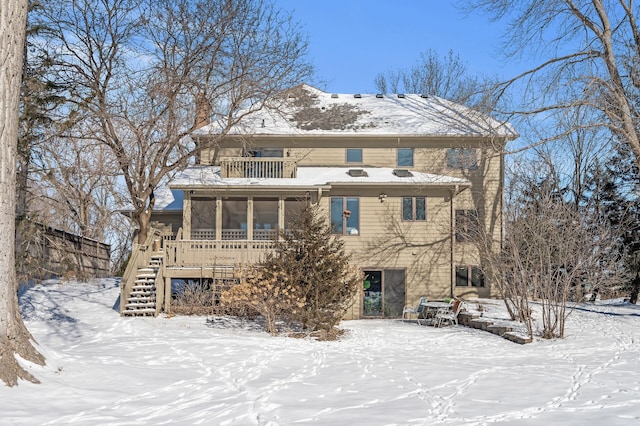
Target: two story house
400,177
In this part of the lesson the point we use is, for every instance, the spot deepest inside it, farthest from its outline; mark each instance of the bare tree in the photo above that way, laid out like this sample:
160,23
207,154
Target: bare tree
552,253
137,69
589,52
76,187
15,339
446,77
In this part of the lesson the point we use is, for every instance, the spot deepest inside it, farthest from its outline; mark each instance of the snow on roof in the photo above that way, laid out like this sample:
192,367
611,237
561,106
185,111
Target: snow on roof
308,111
168,199
209,176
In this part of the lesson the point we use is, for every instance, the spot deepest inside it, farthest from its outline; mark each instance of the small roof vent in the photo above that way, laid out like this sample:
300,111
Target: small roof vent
402,173
357,173
334,96
379,96
357,96
401,95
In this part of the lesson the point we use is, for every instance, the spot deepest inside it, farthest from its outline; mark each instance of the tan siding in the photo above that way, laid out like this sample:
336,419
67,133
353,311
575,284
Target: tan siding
422,248
425,249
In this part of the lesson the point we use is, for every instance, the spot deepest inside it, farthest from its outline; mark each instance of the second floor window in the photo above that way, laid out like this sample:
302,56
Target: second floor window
414,208
354,155
405,157
462,158
466,225
345,215
266,153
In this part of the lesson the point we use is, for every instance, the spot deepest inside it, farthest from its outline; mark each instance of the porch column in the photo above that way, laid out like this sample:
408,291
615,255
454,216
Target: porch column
280,213
186,216
218,218
167,295
249,214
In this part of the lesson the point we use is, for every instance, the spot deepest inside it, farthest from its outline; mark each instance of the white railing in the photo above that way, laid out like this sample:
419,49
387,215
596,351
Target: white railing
251,167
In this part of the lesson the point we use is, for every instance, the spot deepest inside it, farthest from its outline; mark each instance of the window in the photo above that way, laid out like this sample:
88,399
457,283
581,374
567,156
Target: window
469,276
293,208
265,218
234,219
354,155
345,215
462,158
203,218
466,224
405,157
414,208
266,153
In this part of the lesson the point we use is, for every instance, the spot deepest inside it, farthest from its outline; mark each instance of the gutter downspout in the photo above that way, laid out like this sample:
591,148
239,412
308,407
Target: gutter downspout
452,237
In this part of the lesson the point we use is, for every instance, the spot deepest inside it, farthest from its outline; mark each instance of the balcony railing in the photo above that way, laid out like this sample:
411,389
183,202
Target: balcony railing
252,167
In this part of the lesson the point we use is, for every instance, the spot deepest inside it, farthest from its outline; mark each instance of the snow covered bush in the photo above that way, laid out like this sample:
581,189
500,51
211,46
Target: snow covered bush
267,291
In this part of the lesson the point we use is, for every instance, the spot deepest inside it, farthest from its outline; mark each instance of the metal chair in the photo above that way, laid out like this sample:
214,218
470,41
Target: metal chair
450,316
407,311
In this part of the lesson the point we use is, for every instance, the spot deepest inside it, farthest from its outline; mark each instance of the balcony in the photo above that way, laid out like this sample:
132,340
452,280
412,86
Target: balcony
260,168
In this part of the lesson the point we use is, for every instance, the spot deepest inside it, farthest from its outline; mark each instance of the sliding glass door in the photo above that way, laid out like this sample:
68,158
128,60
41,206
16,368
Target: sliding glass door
384,293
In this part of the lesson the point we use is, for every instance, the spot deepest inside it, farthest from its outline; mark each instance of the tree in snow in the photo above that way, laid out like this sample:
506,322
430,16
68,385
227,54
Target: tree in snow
552,252
15,339
589,55
315,262
135,70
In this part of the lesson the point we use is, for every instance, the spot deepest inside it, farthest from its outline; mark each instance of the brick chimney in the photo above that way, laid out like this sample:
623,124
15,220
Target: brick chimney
203,117
203,110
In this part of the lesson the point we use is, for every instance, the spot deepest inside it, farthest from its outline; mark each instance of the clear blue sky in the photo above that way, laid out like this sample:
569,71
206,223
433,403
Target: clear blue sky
351,41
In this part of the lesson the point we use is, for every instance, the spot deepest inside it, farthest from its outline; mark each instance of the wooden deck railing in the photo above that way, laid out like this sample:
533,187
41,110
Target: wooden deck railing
252,167
199,253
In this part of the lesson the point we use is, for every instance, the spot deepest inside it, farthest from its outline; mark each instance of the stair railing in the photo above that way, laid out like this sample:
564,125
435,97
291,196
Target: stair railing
140,258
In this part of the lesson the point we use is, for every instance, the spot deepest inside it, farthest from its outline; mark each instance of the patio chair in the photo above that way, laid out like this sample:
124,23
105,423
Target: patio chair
449,316
407,311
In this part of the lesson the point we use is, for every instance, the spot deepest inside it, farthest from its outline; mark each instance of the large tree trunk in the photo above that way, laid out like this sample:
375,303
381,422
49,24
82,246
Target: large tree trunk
14,337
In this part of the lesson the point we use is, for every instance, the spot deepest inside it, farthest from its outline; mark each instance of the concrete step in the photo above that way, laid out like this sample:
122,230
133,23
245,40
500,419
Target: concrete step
517,338
500,330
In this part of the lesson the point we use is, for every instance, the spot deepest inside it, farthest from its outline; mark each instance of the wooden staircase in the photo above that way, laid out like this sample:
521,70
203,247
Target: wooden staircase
141,300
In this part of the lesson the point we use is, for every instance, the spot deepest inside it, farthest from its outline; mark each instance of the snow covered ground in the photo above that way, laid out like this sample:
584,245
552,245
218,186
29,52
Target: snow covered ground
106,370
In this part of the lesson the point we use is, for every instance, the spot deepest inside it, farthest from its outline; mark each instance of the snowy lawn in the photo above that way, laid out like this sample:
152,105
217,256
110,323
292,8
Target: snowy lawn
106,370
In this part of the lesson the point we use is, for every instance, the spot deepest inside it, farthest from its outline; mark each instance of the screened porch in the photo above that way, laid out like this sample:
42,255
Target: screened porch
239,218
